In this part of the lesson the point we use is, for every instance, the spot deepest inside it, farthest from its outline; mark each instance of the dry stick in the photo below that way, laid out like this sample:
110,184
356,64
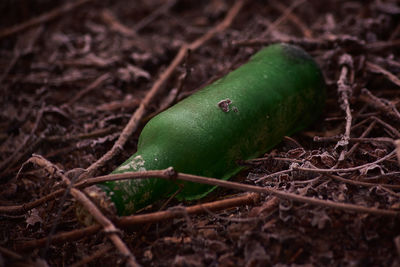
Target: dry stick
390,192
381,176
376,68
347,41
143,219
359,183
174,92
286,13
41,19
60,238
149,174
12,159
363,135
27,150
220,27
96,83
170,174
141,110
272,175
18,209
136,117
307,43
397,143
94,134
154,15
196,209
294,141
357,125
286,195
23,47
274,158
345,91
384,45
108,226
294,19
345,169
382,104
355,139
364,115
115,25
387,126
394,33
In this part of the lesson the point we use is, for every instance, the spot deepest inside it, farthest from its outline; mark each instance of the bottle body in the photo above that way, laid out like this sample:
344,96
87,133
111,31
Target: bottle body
240,116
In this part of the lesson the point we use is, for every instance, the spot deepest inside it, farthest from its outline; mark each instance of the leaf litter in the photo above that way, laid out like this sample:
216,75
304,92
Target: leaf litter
52,64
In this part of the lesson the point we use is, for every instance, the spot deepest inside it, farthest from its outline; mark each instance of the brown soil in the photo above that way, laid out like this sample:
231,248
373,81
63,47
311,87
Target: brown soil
71,82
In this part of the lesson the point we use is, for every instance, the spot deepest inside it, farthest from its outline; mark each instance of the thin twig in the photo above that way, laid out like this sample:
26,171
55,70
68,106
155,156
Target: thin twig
94,134
154,15
13,158
141,110
345,91
360,116
24,46
345,169
174,93
148,174
397,143
115,25
349,42
287,195
19,209
169,174
230,16
42,19
378,69
386,106
96,83
381,176
384,45
294,141
196,209
285,14
387,126
296,21
274,158
129,221
355,139
133,123
359,183
394,33
363,135
108,226
272,175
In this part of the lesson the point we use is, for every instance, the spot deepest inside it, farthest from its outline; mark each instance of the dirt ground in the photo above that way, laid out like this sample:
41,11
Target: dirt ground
73,73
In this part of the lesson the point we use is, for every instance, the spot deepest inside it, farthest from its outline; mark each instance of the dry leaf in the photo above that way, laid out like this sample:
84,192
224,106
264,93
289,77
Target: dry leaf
33,218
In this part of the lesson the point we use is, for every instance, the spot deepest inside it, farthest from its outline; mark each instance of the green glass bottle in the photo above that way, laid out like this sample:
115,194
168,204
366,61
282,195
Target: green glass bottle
279,91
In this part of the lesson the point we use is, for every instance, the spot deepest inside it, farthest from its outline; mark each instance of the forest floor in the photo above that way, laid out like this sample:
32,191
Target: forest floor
75,74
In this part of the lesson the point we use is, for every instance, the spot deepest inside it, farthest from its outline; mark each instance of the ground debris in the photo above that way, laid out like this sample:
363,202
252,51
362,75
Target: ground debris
70,83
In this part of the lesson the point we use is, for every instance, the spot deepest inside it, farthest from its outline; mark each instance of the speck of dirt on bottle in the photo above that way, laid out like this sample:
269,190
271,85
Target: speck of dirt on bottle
224,104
